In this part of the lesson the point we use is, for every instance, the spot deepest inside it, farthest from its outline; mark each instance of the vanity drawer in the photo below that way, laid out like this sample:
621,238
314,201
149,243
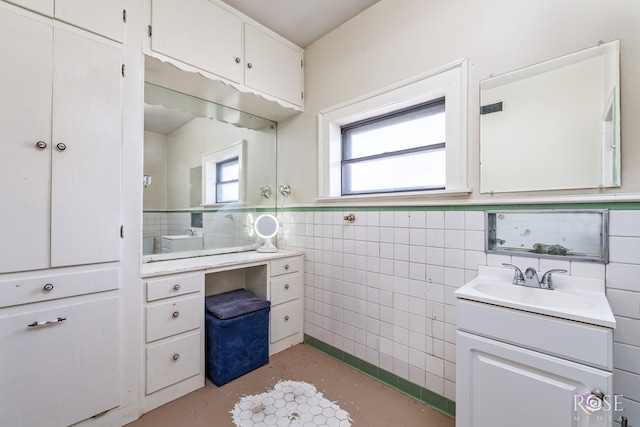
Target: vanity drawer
580,342
284,266
285,320
171,286
51,286
285,288
173,316
172,361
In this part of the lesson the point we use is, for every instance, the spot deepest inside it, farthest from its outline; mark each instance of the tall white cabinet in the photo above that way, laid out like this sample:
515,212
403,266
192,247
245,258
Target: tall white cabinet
61,123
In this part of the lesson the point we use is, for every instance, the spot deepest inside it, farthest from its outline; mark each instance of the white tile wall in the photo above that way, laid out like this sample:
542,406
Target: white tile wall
382,288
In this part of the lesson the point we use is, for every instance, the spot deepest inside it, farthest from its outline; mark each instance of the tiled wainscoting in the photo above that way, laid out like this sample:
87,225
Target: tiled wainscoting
380,290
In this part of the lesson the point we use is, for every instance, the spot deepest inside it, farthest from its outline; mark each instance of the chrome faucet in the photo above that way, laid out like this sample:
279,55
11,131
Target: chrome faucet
530,277
191,232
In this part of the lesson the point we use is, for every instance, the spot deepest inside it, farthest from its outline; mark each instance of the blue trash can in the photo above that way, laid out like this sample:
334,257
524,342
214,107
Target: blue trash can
236,335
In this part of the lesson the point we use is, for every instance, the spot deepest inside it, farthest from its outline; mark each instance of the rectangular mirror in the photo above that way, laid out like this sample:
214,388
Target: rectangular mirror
208,161
554,125
572,234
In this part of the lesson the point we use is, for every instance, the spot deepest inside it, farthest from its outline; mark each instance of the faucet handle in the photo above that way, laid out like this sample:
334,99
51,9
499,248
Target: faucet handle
546,277
518,277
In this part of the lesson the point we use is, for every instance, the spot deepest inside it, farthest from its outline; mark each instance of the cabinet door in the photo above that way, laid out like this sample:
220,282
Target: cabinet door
44,7
61,373
86,146
272,67
500,385
102,17
199,33
25,119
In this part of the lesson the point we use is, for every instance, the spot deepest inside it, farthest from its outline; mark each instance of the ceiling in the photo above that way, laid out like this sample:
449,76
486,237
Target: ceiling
301,21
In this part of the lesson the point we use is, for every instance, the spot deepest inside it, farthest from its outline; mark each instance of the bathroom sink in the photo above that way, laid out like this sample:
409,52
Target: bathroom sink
572,298
534,296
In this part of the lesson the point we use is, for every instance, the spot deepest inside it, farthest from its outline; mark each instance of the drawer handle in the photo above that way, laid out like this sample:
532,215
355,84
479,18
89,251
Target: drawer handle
286,318
175,357
47,322
286,267
48,287
175,314
176,287
286,286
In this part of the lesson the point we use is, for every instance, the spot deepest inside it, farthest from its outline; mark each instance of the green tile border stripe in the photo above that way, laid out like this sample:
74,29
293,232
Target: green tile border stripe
515,206
434,400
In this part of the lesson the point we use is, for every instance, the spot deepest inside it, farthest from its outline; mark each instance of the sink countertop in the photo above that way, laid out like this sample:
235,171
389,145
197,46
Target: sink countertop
572,298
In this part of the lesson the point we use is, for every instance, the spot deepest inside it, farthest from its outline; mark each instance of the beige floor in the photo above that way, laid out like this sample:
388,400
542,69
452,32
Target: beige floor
368,402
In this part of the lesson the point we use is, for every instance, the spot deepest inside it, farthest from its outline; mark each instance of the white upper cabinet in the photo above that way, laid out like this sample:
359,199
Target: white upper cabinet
103,17
272,67
198,33
61,119
217,40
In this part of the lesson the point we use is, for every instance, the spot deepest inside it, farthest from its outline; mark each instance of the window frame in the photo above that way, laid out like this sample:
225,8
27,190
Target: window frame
449,81
220,182
210,173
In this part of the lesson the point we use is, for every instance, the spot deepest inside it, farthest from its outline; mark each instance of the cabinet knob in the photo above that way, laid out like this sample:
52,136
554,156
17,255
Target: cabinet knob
48,287
176,287
286,267
286,286
175,315
175,357
41,145
238,60
286,318
61,146
249,65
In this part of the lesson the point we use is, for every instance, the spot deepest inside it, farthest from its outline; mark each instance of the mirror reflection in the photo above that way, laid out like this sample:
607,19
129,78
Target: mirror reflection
554,125
206,168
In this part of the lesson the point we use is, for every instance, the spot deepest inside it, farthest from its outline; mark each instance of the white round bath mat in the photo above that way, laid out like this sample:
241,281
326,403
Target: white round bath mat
290,403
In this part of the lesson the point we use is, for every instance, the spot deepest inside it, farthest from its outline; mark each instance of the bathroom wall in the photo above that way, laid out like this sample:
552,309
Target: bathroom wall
381,288
398,39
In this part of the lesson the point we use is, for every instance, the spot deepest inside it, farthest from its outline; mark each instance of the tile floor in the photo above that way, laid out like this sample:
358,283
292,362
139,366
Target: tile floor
368,402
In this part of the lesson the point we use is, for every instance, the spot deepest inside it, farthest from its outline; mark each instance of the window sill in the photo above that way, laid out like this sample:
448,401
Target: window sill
415,197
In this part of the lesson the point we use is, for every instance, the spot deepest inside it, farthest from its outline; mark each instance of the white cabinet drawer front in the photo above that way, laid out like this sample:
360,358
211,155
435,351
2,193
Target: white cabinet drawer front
284,266
172,286
285,288
285,320
63,372
172,361
576,341
51,286
174,316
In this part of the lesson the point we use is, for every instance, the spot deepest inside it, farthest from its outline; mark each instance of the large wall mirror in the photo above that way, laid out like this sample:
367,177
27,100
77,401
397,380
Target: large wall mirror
554,125
209,170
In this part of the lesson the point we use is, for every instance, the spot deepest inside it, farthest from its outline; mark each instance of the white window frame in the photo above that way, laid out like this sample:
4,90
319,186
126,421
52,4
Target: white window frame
449,81
210,176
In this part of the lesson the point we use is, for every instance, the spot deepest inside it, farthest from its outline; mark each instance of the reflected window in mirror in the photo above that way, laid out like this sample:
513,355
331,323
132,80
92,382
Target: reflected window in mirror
223,180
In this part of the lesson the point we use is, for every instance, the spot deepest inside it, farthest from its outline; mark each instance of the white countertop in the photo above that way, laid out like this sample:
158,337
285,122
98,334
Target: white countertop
208,262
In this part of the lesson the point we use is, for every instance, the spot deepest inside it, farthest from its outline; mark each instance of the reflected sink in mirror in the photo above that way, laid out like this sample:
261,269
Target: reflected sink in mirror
572,298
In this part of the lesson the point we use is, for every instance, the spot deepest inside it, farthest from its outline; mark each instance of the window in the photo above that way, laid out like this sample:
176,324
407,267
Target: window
222,175
227,174
400,151
405,140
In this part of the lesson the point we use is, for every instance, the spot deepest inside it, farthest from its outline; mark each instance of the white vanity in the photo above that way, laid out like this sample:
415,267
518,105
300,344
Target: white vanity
173,313
533,357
